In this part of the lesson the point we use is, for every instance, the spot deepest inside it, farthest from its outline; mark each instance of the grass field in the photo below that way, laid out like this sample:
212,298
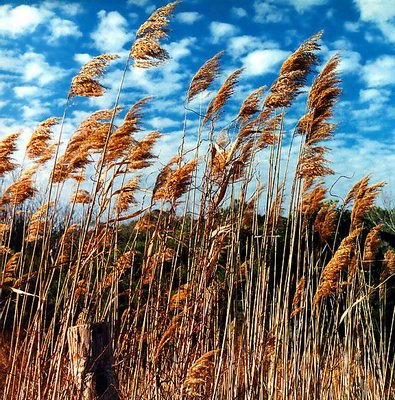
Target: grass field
218,281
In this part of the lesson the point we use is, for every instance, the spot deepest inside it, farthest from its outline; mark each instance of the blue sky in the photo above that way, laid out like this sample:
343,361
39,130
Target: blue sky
43,44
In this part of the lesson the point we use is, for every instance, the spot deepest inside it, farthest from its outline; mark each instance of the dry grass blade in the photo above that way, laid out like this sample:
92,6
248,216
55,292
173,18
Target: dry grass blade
146,50
204,77
86,82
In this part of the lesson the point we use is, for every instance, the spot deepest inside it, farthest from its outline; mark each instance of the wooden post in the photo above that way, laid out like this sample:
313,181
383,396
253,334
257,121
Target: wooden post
92,361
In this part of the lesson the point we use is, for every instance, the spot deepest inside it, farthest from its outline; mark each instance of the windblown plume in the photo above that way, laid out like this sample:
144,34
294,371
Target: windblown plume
37,223
372,243
82,196
223,95
146,50
204,77
172,182
86,82
293,74
325,222
297,302
46,155
140,155
389,265
364,197
323,95
121,140
340,261
200,373
20,190
7,147
126,194
39,141
250,105
312,202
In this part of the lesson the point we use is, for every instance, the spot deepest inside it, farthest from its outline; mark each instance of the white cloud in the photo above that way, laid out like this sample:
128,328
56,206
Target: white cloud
35,109
239,45
62,28
139,3
20,20
273,11
112,33
35,68
221,30
303,5
27,91
268,11
380,72
82,58
374,95
352,26
67,8
379,12
162,123
261,62
188,18
239,12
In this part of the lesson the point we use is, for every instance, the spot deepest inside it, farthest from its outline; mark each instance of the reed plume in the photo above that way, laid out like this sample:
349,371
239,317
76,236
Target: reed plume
297,302
7,147
293,74
121,140
140,155
222,96
126,194
40,138
204,77
21,190
372,243
364,197
200,374
86,82
172,182
37,223
146,50
341,260
82,196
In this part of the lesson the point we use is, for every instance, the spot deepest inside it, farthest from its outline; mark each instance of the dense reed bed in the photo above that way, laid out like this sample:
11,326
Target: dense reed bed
225,283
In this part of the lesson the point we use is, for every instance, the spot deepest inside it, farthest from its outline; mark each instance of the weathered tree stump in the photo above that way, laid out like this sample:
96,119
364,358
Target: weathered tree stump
92,361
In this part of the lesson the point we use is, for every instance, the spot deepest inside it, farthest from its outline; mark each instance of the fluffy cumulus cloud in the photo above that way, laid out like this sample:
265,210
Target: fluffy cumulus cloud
24,19
240,45
189,17
380,72
20,20
379,12
112,32
221,30
260,62
60,28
